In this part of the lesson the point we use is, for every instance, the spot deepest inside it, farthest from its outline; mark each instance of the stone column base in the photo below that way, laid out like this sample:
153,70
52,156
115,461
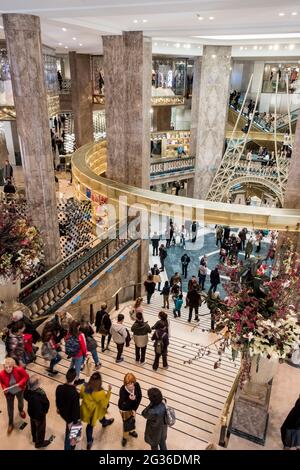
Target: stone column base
250,413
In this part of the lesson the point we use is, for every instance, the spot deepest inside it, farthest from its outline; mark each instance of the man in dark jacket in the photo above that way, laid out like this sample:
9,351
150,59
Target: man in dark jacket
156,428
155,243
8,171
162,256
38,406
103,325
67,404
194,302
214,279
161,343
185,260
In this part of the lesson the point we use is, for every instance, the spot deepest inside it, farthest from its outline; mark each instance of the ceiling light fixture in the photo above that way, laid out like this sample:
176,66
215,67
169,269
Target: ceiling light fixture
213,56
145,21
177,44
260,48
255,48
155,44
291,47
281,14
1,27
80,44
276,47
64,29
294,13
135,21
200,18
270,48
74,39
241,48
60,43
211,17
66,47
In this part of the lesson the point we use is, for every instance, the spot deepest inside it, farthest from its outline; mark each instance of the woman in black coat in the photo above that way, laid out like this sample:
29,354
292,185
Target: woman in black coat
103,325
130,397
38,406
290,430
156,428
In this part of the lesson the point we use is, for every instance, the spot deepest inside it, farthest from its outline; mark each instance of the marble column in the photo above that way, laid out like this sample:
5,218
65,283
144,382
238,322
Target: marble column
195,105
23,39
127,74
213,108
81,93
292,197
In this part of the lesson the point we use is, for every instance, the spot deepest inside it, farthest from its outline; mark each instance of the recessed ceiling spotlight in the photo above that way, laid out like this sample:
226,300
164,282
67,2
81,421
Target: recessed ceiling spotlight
246,48
188,46
167,44
255,48
74,39
241,48
80,44
270,48
291,47
260,48
155,44
135,21
276,47
294,13
145,21
213,56
64,29
281,14
66,47
200,18
177,44
60,43
211,17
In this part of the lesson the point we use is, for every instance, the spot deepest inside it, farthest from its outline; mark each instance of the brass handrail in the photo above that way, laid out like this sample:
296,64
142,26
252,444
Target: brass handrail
225,412
210,212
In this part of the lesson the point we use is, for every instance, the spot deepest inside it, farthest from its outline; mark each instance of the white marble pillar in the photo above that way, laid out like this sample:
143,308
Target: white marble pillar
127,74
23,39
213,108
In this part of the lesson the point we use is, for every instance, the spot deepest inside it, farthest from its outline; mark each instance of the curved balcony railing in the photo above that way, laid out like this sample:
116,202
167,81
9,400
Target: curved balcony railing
209,212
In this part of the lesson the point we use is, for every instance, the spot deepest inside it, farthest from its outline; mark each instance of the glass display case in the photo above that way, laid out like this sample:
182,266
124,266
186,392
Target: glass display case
169,76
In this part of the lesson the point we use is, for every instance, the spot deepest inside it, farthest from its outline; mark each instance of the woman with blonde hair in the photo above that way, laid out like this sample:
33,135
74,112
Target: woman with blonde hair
95,401
130,397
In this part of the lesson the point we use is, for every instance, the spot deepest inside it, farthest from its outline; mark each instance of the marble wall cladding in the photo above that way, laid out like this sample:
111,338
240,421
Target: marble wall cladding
292,198
81,93
213,108
195,105
127,72
24,46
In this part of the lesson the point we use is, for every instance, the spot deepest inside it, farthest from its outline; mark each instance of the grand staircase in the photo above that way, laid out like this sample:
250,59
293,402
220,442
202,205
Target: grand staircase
192,386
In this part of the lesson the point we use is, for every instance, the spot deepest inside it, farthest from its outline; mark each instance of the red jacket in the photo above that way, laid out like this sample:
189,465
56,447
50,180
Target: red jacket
19,374
82,342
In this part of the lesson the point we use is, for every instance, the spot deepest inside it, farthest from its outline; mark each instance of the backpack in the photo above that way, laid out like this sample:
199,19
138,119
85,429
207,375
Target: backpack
102,330
47,352
170,416
159,345
72,346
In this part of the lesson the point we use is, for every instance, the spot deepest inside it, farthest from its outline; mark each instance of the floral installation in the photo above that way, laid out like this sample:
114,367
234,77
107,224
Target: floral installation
21,246
259,317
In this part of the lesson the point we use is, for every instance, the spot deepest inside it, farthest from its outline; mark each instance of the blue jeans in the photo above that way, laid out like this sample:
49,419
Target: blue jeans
54,361
95,356
77,363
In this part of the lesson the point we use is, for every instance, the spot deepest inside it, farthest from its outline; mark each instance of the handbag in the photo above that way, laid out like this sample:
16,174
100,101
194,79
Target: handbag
129,424
91,343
